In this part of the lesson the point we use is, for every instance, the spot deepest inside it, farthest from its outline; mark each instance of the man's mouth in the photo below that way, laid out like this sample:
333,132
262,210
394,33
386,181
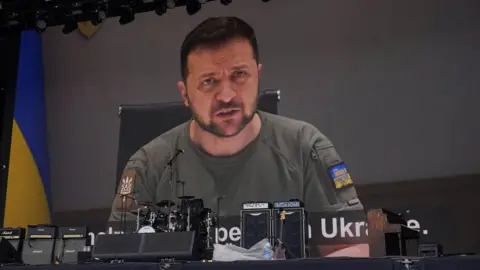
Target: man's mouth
227,112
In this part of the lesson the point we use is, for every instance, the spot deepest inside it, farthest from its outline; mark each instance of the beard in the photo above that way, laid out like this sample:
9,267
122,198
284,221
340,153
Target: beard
216,129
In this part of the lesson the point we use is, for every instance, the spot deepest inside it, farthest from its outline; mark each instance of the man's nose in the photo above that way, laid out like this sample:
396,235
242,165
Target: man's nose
227,92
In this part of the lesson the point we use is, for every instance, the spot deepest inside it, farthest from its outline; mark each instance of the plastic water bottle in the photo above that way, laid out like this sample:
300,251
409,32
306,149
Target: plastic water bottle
267,252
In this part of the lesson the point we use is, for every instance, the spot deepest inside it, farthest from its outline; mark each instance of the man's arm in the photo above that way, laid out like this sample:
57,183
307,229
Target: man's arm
135,186
328,183
328,187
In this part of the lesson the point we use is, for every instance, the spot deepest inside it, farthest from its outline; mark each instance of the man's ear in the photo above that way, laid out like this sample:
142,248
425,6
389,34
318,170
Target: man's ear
259,67
183,91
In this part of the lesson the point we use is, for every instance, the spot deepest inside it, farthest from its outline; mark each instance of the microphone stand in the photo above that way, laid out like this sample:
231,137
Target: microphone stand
123,215
183,186
170,167
186,203
218,213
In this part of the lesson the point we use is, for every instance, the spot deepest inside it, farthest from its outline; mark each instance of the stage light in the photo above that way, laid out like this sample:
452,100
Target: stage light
160,7
225,2
40,22
128,16
171,4
99,17
40,26
192,6
70,25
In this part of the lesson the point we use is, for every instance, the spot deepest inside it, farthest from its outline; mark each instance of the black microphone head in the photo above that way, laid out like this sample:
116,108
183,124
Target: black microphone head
181,151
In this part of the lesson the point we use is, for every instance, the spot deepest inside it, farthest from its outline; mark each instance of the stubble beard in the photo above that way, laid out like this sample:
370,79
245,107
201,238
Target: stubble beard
216,130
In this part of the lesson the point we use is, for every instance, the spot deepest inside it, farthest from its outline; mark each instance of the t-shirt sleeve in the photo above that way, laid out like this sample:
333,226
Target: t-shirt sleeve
135,186
328,185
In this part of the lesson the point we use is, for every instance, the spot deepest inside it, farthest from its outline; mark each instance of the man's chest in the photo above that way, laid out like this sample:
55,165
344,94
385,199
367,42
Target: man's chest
264,177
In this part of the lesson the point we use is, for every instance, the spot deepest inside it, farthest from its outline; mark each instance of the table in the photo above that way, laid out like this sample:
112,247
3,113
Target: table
441,263
300,264
450,263
303,264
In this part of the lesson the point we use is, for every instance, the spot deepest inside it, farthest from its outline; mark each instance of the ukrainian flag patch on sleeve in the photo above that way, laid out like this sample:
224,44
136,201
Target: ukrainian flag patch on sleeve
340,175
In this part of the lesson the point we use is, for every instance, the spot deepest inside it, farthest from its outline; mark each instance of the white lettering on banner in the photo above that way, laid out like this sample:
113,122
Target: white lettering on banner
415,225
344,228
339,227
222,234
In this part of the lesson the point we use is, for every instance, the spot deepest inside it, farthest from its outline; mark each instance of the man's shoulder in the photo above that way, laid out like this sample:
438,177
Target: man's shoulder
169,139
162,146
293,130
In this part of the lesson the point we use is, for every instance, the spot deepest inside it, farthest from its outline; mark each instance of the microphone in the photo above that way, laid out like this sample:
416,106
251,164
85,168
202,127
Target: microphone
170,162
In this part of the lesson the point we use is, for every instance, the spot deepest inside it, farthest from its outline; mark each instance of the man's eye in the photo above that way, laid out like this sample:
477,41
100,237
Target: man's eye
208,81
239,73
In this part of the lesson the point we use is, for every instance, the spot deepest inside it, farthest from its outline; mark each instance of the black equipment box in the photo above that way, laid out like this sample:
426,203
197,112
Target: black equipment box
41,232
148,247
72,232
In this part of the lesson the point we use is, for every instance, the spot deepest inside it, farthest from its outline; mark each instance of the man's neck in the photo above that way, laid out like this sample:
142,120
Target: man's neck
217,146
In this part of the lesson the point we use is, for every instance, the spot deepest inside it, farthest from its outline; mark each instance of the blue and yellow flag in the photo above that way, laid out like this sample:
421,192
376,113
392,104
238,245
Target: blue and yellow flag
28,188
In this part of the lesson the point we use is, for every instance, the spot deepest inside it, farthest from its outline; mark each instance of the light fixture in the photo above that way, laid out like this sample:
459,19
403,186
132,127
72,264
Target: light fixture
171,4
70,24
40,26
160,7
40,23
128,16
98,17
192,6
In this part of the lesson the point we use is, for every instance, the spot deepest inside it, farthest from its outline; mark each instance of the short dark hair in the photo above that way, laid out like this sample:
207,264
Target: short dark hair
213,32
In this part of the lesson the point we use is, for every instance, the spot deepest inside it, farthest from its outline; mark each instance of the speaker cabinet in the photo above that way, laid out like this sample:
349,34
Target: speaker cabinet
117,246
255,225
148,247
40,245
15,237
38,251
71,240
177,245
295,231
66,250
8,254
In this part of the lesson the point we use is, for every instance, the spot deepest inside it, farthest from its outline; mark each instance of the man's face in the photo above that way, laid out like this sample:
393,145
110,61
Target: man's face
222,87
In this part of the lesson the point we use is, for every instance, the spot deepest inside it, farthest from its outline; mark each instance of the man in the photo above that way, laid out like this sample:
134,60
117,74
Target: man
229,148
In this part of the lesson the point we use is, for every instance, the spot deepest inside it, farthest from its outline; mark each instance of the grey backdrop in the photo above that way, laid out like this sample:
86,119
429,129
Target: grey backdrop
394,84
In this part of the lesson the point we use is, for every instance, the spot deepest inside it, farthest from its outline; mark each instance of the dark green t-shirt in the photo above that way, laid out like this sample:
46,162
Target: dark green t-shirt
289,159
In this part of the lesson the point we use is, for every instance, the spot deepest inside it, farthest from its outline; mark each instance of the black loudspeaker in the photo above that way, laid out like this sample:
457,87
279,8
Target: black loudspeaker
295,228
15,237
147,247
255,223
8,254
71,240
39,246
